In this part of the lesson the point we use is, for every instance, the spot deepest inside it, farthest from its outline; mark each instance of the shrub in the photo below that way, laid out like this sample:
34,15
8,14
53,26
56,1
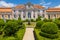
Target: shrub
49,29
39,24
39,18
26,20
11,20
47,20
8,20
2,23
20,24
50,20
32,20
10,28
58,23
19,18
1,26
58,18
49,35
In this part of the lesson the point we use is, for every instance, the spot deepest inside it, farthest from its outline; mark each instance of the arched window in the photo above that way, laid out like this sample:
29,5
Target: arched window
34,15
24,14
9,16
3,16
43,15
29,15
14,10
19,15
14,16
55,15
48,16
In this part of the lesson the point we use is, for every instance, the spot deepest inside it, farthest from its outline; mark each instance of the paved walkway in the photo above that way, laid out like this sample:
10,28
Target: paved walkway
29,34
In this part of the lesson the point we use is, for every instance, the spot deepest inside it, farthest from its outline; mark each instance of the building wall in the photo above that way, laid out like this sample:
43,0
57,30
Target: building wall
53,15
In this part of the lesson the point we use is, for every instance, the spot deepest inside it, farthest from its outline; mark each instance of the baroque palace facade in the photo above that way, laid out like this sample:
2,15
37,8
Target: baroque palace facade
28,11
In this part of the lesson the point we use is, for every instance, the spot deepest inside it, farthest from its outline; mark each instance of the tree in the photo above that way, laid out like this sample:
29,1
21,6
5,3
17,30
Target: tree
2,24
10,28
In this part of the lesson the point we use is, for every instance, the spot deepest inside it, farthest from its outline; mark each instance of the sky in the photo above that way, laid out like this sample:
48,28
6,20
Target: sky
45,3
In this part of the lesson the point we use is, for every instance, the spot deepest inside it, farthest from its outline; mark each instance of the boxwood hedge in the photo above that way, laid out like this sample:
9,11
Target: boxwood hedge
49,29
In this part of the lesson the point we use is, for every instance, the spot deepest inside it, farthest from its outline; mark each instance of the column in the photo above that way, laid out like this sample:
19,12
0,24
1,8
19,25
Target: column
26,14
36,14
17,15
32,15
22,15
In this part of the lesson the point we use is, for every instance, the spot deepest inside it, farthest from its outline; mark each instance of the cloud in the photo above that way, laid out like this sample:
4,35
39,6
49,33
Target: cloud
43,3
47,3
5,4
58,6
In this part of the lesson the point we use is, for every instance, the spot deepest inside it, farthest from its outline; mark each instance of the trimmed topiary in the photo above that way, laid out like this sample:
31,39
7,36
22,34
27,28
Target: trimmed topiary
58,23
49,30
39,24
51,36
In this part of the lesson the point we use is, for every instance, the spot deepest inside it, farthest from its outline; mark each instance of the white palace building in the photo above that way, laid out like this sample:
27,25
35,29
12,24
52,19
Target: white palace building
29,11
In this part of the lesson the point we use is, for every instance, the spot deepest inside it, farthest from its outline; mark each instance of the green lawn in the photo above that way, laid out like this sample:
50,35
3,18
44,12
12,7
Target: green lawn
33,24
37,31
19,35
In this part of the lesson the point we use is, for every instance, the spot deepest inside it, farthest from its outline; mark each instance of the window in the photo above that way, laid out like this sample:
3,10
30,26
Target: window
38,14
43,15
3,16
55,15
14,10
29,15
38,10
24,14
34,15
19,10
9,16
14,16
19,15
48,16
43,10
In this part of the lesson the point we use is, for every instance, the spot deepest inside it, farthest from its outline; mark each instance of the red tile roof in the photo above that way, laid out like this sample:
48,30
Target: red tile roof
53,10
20,6
5,10
34,6
38,6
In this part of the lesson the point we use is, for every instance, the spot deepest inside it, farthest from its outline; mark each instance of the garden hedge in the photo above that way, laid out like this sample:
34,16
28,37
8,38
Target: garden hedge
49,29
39,24
10,28
58,23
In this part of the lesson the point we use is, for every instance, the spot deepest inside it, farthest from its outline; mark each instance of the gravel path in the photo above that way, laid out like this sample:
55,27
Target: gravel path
29,34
